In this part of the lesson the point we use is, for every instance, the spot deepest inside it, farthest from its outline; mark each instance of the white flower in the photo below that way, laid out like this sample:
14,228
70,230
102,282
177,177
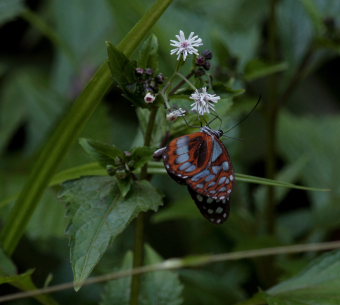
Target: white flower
173,115
149,98
185,46
203,101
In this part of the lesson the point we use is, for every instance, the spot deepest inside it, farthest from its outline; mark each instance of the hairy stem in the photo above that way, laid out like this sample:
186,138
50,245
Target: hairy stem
138,251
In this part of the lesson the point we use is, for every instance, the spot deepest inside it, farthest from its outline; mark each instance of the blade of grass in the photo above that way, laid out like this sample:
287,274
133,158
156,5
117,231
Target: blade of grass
94,169
66,132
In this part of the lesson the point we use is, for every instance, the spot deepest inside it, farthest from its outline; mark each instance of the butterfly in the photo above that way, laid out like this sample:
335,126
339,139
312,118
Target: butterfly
201,161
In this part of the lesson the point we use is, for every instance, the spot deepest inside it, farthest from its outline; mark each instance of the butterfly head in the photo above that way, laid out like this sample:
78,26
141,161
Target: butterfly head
212,132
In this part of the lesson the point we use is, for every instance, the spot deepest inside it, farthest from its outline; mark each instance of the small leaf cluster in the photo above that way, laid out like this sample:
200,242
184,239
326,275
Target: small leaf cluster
118,163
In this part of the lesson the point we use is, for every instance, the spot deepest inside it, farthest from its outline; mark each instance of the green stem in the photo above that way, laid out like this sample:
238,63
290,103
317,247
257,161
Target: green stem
181,83
67,131
186,80
138,252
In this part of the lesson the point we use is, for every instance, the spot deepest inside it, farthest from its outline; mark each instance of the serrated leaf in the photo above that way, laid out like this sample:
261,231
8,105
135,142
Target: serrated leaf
105,154
160,287
318,284
157,288
118,291
141,155
148,54
98,214
122,69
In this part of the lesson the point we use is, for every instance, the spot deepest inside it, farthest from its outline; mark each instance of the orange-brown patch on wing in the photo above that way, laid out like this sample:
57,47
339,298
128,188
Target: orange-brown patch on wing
188,155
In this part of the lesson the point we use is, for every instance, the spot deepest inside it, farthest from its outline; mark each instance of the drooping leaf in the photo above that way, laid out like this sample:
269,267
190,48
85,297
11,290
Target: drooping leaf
318,284
98,214
105,154
148,53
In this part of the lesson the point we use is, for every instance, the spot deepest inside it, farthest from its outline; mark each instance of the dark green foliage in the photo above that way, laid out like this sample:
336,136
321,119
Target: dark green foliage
95,220
50,51
158,288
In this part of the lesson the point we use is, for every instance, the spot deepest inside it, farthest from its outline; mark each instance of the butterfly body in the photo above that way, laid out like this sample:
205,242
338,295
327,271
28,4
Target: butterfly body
201,161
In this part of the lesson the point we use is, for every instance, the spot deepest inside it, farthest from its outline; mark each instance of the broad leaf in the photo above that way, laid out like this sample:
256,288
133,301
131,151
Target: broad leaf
98,214
318,284
118,291
157,288
160,287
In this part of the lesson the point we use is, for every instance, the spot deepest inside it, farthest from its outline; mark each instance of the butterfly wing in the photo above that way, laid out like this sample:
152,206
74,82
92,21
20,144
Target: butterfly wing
202,162
186,156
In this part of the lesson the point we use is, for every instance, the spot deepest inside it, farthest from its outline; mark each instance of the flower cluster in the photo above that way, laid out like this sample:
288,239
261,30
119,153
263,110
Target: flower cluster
148,83
203,102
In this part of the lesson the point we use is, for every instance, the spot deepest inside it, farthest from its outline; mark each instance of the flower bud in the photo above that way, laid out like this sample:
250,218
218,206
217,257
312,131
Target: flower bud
139,71
160,78
200,60
149,98
207,54
148,71
173,115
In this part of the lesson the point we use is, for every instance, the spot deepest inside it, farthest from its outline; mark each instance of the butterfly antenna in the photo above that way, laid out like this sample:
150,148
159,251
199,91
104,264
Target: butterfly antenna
191,126
233,138
245,117
216,117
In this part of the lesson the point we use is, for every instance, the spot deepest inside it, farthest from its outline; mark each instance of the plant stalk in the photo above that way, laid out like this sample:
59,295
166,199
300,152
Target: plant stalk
138,252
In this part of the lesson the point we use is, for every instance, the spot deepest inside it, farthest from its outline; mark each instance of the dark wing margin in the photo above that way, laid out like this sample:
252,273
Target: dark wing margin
215,210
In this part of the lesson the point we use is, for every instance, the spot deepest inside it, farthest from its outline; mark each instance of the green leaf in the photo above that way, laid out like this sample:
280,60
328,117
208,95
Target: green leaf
141,155
157,288
122,69
257,69
105,154
118,291
12,278
147,57
124,185
22,281
7,267
68,130
314,13
98,214
10,9
318,284
160,287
